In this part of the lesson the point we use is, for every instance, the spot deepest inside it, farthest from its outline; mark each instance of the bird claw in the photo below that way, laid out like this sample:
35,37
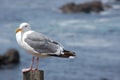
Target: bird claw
26,70
34,69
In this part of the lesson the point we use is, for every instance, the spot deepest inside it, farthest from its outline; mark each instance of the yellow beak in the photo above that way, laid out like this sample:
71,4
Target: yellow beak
17,30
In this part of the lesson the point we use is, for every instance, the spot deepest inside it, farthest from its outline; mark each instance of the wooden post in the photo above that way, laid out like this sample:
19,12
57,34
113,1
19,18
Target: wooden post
33,75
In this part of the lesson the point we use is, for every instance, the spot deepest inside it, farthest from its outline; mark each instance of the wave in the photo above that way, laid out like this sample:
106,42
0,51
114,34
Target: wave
91,42
70,22
103,20
77,24
116,6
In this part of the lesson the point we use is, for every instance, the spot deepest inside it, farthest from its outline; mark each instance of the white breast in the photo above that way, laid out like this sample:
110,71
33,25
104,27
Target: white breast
19,38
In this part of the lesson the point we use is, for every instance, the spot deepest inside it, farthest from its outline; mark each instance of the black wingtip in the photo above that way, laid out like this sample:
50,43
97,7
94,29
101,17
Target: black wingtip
65,54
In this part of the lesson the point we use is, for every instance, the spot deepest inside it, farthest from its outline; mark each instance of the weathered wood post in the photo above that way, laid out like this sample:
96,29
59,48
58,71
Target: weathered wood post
33,75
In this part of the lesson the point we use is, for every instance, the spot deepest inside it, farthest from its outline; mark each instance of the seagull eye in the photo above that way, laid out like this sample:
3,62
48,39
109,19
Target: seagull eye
25,26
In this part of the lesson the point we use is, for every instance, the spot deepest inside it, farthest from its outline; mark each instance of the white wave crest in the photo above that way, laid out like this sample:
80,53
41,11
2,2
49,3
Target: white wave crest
70,22
91,43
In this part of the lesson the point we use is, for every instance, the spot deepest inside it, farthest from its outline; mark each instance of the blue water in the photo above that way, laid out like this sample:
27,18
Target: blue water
94,37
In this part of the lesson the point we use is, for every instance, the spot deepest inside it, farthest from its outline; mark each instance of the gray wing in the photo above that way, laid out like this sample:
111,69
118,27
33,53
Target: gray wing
41,43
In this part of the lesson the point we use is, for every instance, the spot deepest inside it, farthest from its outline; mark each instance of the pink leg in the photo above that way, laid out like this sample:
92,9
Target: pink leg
30,68
37,60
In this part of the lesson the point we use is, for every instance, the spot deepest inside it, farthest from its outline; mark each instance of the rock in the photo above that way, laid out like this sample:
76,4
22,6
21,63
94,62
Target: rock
88,7
104,79
10,57
69,8
117,0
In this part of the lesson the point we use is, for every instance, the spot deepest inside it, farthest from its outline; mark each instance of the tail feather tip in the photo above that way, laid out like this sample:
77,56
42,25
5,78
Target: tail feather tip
71,57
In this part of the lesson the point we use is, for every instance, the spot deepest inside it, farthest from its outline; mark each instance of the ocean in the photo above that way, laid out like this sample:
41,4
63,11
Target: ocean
94,37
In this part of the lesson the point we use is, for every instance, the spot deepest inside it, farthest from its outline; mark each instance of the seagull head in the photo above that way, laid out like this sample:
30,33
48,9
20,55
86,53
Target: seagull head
23,27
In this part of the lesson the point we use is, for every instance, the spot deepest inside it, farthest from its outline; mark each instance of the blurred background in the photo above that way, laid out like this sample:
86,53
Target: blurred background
95,37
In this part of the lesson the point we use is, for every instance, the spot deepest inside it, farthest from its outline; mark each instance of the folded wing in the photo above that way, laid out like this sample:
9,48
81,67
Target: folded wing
42,44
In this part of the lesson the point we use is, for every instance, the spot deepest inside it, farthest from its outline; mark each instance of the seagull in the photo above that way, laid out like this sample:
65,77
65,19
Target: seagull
39,45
